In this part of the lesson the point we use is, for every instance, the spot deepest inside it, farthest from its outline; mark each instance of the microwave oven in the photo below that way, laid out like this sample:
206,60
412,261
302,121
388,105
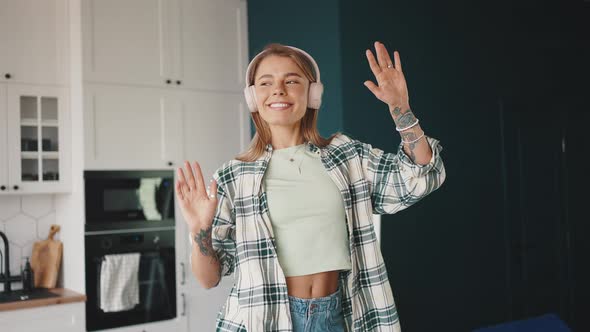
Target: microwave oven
128,199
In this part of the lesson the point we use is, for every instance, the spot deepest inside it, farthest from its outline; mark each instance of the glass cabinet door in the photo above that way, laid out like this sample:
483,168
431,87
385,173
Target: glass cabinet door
34,119
49,139
29,129
39,143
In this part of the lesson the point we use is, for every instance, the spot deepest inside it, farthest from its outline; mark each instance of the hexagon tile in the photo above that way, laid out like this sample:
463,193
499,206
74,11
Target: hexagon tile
9,207
37,205
24,220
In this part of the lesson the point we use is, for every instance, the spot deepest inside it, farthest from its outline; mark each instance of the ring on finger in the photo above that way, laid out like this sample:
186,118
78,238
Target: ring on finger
390,65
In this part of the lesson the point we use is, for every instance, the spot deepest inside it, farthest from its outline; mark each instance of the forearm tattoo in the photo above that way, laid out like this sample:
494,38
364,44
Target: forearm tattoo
397,111
203,239
403,119
410,136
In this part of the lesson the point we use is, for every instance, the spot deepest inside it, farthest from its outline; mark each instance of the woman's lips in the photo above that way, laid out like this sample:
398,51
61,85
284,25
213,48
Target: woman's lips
279,106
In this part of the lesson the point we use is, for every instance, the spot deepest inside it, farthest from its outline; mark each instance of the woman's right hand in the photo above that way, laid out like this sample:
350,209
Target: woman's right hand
197,207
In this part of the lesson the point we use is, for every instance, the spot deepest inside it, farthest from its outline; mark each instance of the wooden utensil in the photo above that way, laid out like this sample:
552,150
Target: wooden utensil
46,258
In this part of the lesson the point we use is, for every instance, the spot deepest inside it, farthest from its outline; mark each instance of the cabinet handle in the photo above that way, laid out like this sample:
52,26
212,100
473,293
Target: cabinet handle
183,281
170,163
7,75
168,81
3,187
178,82
183,313
15,187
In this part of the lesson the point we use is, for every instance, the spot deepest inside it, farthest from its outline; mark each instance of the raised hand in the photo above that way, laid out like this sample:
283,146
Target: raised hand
198,208
391,85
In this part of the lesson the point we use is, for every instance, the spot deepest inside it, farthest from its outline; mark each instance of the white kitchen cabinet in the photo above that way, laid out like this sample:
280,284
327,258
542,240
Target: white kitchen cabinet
33,35
200,305
145,128
192,44
128,41
3,141
213,45
204,304
216,129
177,324
58,317
131,128
35,152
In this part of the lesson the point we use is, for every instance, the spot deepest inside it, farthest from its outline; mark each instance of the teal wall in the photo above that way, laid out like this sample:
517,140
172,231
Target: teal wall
478,74
443,255
317,32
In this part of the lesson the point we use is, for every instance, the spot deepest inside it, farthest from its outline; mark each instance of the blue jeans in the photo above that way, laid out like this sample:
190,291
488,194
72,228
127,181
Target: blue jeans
320,314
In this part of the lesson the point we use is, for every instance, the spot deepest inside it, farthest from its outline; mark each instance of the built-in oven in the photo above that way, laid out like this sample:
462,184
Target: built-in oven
155,276
123,199
130,211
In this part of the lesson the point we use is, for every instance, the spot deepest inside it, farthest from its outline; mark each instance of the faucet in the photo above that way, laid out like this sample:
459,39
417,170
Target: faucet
6,263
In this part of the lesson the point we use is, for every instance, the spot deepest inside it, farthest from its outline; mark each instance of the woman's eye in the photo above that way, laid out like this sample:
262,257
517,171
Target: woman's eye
292,82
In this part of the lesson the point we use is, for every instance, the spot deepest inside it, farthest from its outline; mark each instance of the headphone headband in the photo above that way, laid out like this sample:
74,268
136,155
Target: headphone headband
309,57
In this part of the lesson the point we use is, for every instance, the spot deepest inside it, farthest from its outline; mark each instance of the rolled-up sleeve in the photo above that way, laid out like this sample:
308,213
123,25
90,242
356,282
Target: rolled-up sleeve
395,181
223,232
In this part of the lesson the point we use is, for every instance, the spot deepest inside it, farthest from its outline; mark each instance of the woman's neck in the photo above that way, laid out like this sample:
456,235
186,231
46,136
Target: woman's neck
281,140
278,146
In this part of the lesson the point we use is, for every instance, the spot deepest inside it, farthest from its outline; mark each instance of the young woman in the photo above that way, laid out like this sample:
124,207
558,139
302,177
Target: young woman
293,214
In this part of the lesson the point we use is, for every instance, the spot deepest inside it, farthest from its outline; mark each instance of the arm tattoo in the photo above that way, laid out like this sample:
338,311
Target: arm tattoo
410,136
405,119
203,239
397,111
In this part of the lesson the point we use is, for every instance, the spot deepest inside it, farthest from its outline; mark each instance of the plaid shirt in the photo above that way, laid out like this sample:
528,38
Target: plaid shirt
370,181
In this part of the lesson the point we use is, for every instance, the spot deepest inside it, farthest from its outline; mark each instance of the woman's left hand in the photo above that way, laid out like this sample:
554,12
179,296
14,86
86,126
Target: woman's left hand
391,88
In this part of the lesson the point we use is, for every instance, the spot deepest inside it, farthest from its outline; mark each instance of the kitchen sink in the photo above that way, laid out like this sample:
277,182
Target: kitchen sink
21,295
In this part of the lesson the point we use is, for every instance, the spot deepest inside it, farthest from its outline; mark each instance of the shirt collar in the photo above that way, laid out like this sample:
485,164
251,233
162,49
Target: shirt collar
309,145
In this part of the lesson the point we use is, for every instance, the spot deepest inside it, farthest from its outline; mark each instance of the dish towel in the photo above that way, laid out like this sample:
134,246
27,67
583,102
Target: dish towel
119,282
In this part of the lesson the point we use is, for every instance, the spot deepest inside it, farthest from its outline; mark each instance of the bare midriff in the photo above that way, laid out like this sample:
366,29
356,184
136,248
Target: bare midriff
313,285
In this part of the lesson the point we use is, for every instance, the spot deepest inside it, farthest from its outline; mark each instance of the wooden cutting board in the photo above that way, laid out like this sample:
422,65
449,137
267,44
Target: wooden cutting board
45,260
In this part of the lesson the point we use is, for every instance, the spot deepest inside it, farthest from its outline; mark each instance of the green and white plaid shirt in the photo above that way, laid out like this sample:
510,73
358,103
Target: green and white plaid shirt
370,181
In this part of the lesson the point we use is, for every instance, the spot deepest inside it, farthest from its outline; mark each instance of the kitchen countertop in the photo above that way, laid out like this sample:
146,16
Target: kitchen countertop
65,296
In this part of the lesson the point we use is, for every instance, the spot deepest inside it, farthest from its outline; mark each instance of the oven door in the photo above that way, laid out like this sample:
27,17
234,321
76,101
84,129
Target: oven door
156,277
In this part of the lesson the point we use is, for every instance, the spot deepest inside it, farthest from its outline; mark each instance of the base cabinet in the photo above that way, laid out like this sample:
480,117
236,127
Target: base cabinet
60,317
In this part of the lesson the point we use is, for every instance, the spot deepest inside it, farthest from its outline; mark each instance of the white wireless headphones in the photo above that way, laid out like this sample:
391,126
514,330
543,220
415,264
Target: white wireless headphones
315,88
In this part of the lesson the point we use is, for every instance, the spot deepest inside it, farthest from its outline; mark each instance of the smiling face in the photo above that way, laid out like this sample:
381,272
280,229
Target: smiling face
281,91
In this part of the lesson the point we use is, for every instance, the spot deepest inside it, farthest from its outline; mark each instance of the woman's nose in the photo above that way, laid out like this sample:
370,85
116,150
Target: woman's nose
279,90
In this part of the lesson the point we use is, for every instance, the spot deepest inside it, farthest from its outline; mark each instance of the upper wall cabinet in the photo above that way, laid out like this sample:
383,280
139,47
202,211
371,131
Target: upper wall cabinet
33,41
131,127
128,41
194,44
213,44
35,155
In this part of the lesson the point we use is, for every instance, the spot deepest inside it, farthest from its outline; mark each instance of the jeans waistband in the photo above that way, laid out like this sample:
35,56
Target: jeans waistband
330,302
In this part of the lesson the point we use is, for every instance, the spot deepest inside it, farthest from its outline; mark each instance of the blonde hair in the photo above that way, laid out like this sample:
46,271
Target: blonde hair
308,123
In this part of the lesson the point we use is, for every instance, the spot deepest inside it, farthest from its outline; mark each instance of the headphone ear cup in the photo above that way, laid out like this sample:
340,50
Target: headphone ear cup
316,89
250,95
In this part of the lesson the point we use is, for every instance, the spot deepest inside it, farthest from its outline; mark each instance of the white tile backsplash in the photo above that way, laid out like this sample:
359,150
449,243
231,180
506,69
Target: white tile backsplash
24,220
9,206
